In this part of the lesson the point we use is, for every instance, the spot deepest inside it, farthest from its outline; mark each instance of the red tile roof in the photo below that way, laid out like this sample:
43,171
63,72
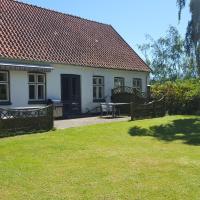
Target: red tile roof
32,33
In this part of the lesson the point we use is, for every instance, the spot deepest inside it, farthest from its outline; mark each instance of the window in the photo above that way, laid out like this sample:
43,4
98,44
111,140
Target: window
36,87
137,83
4,86
98,88
118,82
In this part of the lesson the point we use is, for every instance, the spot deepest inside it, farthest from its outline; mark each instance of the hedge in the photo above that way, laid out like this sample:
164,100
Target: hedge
182,96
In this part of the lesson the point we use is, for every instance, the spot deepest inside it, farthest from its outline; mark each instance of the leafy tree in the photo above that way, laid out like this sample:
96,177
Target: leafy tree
193,30
167,57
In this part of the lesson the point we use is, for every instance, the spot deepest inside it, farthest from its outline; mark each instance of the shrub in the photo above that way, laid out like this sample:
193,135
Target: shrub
182,96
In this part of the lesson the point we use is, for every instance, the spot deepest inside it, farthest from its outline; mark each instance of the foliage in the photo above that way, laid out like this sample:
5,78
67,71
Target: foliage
167,57
182,96
193,30
107,161
181,5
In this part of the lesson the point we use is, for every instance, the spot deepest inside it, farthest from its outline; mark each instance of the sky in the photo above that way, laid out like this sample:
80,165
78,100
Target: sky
132,19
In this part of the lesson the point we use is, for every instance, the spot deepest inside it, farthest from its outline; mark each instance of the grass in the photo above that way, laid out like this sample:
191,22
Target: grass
145,159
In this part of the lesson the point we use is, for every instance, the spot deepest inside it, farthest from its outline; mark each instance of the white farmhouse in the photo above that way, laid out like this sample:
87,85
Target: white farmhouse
50,55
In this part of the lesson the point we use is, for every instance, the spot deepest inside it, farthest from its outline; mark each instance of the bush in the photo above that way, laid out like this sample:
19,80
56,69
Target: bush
182,96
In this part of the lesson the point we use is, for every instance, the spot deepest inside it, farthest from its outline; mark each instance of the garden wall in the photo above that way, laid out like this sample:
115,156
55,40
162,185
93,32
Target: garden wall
19,121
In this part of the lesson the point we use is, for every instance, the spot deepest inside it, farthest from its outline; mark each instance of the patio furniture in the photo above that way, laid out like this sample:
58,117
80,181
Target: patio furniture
111,108
105,109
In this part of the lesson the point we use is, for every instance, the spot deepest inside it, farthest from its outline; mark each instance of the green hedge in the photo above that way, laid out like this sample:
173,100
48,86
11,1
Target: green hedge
182,96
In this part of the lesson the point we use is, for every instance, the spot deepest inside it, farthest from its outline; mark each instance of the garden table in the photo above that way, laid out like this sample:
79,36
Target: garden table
113,107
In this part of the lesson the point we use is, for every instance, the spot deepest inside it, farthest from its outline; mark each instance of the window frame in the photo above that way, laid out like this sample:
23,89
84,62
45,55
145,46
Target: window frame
7,83
36,83
97,85
122,78
136,87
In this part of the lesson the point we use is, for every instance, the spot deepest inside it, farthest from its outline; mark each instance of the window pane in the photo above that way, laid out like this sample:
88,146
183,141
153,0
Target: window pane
31,91
3,76
139,84
95,80
74,86
3,92
94,92
116,83
40,78
98,87
134,83
121,82
40,91
31,78
100,81
100,92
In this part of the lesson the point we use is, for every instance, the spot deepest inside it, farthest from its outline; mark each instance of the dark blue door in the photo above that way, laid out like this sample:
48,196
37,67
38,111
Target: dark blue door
70,94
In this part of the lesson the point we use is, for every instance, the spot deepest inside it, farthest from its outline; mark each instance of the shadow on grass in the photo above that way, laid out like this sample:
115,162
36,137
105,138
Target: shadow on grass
18,133
187,130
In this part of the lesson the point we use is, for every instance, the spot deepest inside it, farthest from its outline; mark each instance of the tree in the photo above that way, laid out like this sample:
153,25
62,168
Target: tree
167,57
192,41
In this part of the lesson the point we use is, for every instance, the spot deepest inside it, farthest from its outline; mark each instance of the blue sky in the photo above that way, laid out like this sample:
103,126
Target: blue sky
133,19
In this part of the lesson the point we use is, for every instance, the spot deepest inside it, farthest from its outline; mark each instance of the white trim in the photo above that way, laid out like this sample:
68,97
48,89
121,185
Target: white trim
25,67
98,86
36,84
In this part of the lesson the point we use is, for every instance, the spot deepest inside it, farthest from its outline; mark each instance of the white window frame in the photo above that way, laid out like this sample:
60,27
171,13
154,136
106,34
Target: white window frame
36,83
98,86
7,83
138,84
118,79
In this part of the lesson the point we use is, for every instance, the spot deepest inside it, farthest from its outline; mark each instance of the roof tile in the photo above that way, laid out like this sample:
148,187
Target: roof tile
31,33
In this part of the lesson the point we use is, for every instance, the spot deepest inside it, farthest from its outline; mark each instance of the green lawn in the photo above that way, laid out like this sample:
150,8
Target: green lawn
145,159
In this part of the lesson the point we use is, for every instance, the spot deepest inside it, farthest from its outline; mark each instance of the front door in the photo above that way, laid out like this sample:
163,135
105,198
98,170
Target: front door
70,94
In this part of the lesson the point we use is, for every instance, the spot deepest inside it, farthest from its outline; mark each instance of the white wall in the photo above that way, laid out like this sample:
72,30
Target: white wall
19,88
19,83
87,73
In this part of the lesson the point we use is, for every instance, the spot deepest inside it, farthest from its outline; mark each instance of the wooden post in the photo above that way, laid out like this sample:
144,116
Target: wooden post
164,105
148,93
50,116
132,110
154,109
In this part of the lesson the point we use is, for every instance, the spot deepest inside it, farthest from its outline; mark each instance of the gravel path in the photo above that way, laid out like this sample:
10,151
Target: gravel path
69,123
